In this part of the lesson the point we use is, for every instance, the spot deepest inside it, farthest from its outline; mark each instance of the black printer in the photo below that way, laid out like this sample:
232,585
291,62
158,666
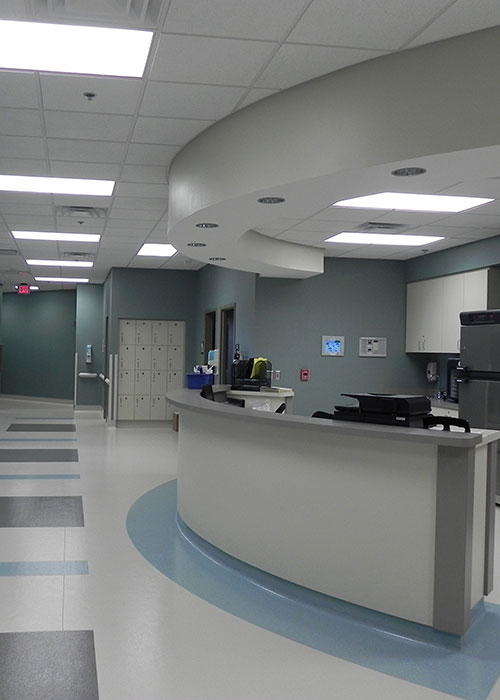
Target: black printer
388,409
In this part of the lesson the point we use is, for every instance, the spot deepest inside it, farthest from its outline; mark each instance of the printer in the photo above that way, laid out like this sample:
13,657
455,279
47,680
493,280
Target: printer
388,409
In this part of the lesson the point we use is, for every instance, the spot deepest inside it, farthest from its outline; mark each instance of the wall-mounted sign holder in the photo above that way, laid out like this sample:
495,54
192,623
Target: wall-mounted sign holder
332,345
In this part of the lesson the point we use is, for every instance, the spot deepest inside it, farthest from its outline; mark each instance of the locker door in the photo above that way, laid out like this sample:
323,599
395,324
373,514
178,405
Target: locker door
142,408
126,381
127,332
158,408
160,332
174,381
126,407
175,357
143,332
159,357
158,383
127,356
176,332
142,382
143,357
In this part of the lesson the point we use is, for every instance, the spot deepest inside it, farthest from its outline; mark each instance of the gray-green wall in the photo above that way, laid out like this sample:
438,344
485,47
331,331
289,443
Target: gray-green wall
38,333
89,330
352,298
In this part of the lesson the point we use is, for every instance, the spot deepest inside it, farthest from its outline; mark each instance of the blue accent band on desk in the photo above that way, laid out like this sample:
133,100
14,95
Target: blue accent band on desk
466,667
43,568
38,476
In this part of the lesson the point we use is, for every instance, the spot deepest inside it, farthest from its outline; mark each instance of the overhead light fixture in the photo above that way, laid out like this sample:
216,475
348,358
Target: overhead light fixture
216,258
56,185
33,288
271,200
196,245
54,236
207,225
381,238
160,250
408,172
61,263
77,280
404,201
63,48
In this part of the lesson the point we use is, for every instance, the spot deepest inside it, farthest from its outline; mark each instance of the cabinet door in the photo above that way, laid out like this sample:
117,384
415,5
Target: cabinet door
175,357
142,382
158,408
453,304
127,356
126,381
424,316
143,332
174,380
158,383
159,332
127,332
142,407
143,357
159,357
475,290
126,407
176,332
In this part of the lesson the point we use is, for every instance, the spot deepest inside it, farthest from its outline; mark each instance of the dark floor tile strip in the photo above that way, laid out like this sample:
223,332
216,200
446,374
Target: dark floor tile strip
41,511
38,455
41,428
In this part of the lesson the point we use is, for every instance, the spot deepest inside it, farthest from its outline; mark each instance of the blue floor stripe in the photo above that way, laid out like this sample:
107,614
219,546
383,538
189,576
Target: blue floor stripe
466,667
39,476
43,568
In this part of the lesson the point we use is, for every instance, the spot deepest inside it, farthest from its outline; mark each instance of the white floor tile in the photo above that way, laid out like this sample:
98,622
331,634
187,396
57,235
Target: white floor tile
31,544
31,603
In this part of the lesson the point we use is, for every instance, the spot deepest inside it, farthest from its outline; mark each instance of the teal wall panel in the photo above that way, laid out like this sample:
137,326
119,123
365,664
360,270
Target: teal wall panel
38,332
352,298
219,287
471,256
89,330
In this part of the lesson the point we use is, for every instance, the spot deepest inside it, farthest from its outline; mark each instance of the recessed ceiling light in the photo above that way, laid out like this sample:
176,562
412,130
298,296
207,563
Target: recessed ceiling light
216,258
161,250
196,245
81,280
207,225
381,238
33,288
54,236
413,202
271,200
56,185
408,172
66,48
61,263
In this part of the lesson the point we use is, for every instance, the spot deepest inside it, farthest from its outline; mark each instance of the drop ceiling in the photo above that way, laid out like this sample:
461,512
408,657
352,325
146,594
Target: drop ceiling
208,59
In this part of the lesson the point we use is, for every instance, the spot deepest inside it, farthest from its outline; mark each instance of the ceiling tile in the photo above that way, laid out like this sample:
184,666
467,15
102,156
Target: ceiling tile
25,198
189,101
177,132
460,18
105,171
255,95
18,89
20,122
296,63
378,24
259,19
151,154
21,147
128,189
142,217
196,59
77,125
112,95
27,222
73,200
23,166
86,151
144,173
30,209
150,203
472,220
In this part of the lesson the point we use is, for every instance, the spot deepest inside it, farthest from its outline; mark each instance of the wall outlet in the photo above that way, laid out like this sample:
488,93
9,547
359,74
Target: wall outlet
277,374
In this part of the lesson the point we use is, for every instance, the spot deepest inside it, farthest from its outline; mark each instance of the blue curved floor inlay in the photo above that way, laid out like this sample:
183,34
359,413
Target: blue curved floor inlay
466,667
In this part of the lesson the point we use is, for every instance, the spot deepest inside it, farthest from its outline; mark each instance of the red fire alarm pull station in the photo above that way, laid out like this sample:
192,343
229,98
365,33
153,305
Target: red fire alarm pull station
23,289
304,375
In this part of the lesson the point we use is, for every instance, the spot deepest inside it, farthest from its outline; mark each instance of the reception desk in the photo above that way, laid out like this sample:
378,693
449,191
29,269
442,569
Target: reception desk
400,520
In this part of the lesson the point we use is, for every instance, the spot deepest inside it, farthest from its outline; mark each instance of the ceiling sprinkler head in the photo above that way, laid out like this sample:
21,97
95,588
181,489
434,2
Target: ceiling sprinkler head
89,95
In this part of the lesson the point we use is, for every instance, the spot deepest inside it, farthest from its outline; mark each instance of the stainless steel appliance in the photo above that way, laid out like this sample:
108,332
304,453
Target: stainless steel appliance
479,371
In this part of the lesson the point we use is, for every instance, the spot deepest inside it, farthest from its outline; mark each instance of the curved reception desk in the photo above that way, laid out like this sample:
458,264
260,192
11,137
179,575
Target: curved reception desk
399,520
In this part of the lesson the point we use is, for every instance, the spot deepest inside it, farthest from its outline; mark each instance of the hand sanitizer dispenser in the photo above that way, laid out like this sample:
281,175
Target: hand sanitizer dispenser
88,354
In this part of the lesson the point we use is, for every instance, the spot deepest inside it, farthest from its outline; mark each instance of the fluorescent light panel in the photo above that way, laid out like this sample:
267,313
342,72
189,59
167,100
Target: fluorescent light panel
61,263
403,201
73,49
381,239
56,185
161,250
62,279
53,236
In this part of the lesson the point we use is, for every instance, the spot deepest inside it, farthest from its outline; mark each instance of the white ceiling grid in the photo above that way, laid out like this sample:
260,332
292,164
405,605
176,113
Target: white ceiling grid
208,60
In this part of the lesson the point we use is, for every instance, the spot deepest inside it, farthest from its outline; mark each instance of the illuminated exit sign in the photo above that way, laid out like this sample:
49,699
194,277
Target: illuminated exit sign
23,289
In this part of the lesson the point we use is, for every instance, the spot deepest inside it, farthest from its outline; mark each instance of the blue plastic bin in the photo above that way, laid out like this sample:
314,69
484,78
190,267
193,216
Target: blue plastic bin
195,380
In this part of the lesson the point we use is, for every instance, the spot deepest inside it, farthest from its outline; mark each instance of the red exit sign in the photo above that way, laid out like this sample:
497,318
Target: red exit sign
23,289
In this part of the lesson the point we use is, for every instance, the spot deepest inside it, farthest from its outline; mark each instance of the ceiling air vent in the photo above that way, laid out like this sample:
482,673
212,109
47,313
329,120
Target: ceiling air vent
141,13
8,251
381,226
77,256
79,212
